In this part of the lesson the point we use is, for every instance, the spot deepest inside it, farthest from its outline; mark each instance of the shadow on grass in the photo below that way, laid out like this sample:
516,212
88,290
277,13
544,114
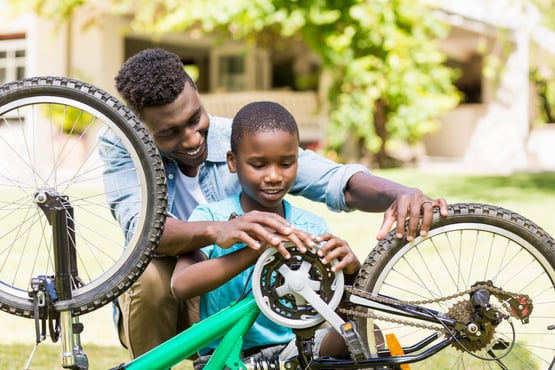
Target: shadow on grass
499,188
516,187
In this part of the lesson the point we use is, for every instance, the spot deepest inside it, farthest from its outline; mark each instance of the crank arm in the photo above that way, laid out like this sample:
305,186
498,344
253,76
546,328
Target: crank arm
299,284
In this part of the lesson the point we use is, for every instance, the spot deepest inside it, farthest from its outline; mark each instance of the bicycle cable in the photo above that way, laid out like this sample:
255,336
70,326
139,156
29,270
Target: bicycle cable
246,290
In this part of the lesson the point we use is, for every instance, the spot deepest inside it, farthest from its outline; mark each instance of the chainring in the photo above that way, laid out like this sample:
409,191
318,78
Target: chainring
284,306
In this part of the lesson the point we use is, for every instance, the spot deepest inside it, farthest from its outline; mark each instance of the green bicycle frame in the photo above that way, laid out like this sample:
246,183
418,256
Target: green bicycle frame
230,324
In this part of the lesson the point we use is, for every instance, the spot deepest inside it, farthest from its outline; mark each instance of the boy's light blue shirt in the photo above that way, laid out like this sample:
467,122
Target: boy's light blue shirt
318,178
264,332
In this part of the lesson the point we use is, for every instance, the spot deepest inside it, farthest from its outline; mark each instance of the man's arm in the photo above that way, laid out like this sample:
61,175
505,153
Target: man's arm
349,187
121,184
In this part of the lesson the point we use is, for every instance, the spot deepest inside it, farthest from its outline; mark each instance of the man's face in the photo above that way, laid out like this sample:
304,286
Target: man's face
266,164
179,129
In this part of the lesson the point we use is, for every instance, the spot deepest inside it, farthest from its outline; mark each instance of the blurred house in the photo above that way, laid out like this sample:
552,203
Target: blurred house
490,131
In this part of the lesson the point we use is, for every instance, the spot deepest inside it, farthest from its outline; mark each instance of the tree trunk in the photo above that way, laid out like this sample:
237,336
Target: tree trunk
380,121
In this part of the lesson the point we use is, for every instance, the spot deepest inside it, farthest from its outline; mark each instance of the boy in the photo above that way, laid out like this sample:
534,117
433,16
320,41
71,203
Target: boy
264,151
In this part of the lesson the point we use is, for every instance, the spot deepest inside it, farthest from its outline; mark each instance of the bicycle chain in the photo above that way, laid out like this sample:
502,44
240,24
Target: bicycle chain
454,312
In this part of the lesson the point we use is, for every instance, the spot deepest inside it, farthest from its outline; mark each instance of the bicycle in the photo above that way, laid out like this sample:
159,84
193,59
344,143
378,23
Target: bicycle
479,290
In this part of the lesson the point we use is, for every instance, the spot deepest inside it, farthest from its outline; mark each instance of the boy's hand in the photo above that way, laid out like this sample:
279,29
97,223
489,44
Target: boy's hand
334,247
260,230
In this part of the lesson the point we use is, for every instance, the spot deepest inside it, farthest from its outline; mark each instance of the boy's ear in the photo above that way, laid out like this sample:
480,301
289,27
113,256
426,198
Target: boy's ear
231,162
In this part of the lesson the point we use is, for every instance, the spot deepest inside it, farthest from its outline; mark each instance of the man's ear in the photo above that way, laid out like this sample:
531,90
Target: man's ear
231,162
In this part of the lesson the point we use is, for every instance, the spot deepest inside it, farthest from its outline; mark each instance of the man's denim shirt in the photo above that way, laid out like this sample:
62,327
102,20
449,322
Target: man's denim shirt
318,178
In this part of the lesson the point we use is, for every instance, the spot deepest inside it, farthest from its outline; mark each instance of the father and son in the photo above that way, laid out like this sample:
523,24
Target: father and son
216,167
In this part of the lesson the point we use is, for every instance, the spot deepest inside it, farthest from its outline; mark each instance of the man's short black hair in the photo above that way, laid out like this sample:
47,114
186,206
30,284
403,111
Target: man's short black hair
152,77
261,116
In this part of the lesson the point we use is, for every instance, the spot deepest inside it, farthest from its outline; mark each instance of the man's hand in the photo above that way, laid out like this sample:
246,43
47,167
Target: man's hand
411,205
375,194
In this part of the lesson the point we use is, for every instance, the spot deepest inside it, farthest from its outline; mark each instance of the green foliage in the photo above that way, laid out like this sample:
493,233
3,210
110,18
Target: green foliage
387,53
543,75
72,121
57,10
377,52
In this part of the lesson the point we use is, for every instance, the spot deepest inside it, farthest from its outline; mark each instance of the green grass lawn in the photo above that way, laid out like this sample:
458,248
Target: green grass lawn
47,357
530,194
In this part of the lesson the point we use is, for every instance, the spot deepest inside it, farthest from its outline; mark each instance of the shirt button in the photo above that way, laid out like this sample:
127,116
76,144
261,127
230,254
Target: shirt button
170,176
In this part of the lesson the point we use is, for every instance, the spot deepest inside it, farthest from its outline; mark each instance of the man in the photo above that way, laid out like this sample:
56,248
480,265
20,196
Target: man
194,145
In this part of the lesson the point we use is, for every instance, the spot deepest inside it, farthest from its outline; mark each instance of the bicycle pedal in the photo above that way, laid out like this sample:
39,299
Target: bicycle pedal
395,349
357,347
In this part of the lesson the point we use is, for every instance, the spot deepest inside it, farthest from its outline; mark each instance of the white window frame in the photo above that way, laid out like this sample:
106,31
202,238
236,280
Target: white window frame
11,62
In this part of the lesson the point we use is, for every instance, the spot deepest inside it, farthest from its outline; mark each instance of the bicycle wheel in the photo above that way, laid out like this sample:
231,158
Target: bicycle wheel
474,243
50,130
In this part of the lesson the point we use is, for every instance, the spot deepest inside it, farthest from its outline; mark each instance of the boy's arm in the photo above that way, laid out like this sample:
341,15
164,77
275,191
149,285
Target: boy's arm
195,275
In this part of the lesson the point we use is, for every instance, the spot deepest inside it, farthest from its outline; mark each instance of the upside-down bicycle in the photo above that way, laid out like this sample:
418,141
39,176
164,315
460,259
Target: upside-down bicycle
478,291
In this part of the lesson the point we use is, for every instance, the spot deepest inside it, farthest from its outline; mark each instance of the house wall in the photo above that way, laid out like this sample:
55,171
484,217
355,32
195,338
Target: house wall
96,52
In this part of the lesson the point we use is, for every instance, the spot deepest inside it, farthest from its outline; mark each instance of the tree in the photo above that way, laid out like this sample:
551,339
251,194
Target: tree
388,79
543,77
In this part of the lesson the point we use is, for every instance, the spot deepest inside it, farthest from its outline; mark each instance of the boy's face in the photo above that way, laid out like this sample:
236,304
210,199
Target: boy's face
179,129
266,164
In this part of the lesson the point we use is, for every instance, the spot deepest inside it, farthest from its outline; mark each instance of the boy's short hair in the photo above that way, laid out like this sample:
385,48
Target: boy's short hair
261,116
152,77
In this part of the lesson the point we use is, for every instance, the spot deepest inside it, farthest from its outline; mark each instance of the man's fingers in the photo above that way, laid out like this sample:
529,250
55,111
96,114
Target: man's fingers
427,213
403,208
414,209
387,223
443,207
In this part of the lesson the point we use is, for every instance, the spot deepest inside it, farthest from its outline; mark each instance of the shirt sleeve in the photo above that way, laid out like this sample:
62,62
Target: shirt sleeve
322,180
120,182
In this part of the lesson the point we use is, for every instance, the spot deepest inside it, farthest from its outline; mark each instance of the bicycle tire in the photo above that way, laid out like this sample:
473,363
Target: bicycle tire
475,242
49,129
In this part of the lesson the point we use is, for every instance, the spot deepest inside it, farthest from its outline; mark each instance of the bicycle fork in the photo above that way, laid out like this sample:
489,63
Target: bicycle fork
46,290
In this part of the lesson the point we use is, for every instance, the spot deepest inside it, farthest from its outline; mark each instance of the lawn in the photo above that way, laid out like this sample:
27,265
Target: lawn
531,195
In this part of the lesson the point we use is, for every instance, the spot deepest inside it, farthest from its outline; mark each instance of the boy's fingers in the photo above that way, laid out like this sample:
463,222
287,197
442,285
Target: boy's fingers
283,251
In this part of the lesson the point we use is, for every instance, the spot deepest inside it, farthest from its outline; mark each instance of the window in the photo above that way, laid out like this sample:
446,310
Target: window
231,73
12,57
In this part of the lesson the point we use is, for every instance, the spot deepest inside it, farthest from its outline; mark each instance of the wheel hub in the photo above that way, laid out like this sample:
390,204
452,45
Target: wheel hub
462,311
